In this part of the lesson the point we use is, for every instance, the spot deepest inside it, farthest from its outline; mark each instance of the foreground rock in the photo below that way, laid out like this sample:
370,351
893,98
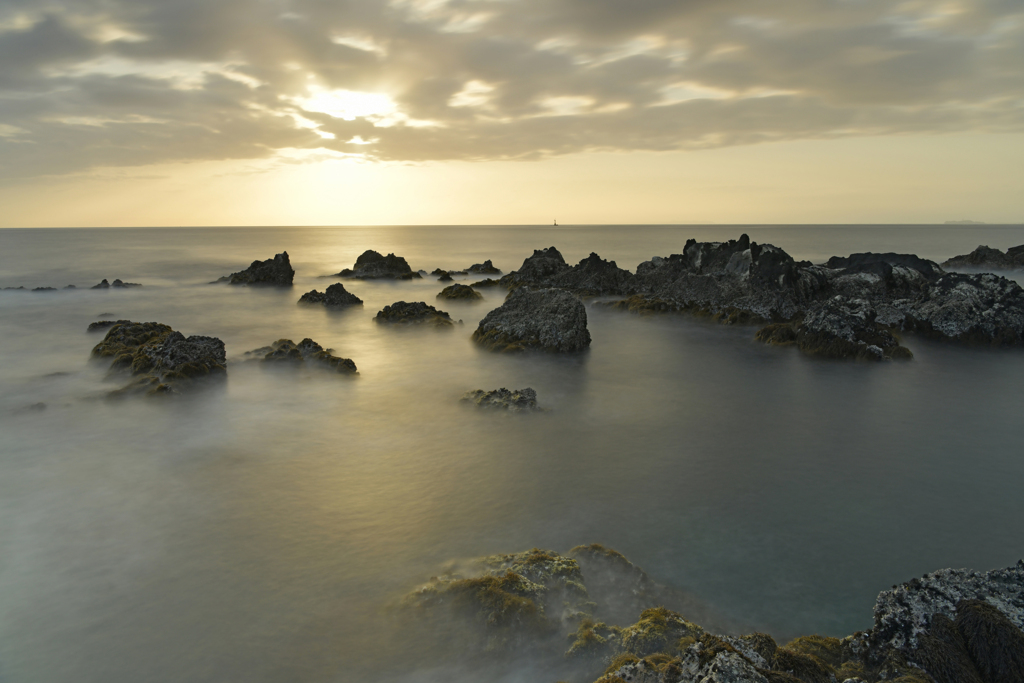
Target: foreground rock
990,259
460,293
516,401
306,353
159,359
336,296
371,265
275,272
413,313
953,626
541,319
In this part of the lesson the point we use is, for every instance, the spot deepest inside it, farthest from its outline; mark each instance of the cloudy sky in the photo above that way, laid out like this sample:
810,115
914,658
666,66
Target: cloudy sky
168,112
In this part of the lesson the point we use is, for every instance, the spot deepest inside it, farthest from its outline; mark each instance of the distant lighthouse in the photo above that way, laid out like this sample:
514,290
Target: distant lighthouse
556,222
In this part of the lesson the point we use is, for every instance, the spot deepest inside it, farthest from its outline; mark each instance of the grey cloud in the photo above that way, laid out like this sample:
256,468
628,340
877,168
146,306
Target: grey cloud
836,67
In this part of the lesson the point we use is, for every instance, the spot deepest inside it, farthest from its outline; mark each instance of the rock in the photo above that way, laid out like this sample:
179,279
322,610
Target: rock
335,296
45,289
545,319
306,352
13,288
276,271
980,308
119,283
489,282
160,359
842,328
994,643
102,285
460,292
881,277
987,258
592,276
485,268
517,401
372,265
413,313
70,287
100,325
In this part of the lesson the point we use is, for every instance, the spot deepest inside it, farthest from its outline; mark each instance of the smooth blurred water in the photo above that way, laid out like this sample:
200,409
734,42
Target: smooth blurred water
255,532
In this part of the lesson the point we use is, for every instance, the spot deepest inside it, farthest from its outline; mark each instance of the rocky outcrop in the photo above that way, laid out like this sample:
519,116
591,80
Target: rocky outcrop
107,285
413,313
371,265
986,258
592,276
982,309
485,268
541,319
537,270
516,401
306,353
489,282
838,328
160,359
336,296
460,292
952,626
273,272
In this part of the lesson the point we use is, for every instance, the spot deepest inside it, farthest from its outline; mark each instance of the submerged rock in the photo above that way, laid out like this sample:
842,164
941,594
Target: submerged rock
544,319
101,325
276,271
460,292
413,313
372,265
306,352
160,359
987,258
335,296
516,401
485,268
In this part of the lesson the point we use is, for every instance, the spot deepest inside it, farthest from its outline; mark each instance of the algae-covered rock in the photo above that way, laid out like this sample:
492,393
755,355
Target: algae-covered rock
101,325
981,309
460,292
845,328
306,353
160,359
372,265
336,296
413,313
994,642
489,282
485,268
276,272
516,401
546,319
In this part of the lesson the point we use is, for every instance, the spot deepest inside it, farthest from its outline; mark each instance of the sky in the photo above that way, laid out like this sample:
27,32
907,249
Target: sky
332,112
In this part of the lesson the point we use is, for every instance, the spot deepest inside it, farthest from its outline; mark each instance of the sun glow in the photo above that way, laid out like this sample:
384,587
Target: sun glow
349,104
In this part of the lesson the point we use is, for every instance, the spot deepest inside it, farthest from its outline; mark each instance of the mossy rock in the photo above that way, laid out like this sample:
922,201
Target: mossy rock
829,650
806,667
460,292
943,653
777,334
593,639
995,644
659,629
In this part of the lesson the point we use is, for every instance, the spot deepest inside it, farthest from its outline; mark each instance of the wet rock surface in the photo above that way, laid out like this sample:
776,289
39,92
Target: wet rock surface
460,292
160,359
276,272
101,325
307,352
987,258
413,313
593,276
485,268
982,308
951,626
540,319
336,296
514,401
372,265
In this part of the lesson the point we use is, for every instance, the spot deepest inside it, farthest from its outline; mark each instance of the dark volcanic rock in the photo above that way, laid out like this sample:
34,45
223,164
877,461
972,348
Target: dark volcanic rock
100,325
372,265
306,352
413,313
276,271
463,292
485,268
537,269
489,282
45,289
987,258
881,276
590,277
995,644
981,308
515,401
335,296
845,328
117,284
547,319
444,276
160,359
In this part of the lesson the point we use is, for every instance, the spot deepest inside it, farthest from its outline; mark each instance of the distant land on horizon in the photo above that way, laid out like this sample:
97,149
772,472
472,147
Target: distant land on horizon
966,222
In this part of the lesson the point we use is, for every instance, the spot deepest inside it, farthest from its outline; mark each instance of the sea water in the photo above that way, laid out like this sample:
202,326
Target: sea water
260,530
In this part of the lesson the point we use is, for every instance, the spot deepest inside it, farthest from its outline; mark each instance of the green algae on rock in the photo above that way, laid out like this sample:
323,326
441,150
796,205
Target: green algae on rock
460,292
159,359
516,401
307,352
413,313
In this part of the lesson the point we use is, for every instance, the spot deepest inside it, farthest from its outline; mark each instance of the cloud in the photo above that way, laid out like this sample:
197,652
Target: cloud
106,83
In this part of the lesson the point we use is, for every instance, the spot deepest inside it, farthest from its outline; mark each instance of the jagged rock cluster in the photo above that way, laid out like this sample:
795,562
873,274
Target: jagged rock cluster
307,352
159,359
592,276
372,265
335,296
485,268
460,292
413,313
117,283
276,271
515,401
952,626
987,258
540,319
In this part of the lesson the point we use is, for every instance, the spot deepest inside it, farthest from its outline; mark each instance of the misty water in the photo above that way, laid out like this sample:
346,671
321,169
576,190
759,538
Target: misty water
258,531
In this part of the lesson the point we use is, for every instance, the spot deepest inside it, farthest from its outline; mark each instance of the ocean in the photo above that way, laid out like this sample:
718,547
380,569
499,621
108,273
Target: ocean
260,531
